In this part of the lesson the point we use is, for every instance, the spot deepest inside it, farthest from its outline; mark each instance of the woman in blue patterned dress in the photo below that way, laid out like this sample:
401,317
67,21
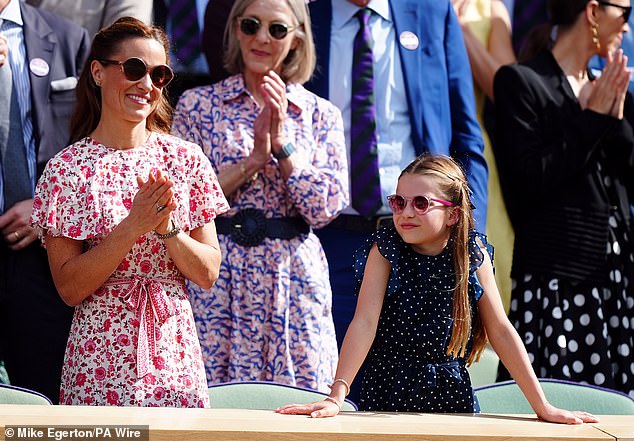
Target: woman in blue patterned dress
427,300
279,153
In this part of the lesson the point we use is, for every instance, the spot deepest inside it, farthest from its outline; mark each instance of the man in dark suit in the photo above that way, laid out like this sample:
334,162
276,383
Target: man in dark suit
45,54
424,103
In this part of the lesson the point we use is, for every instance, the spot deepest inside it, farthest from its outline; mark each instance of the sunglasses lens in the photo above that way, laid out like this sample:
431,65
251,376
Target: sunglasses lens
249,26
421,203
278,30
134,69
626,14
397,203
161,75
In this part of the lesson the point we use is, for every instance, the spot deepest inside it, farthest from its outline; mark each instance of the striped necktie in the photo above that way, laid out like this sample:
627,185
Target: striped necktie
364,161
183,19
15,169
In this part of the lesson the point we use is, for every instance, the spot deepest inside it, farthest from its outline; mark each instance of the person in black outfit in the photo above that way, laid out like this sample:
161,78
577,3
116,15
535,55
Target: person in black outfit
564,146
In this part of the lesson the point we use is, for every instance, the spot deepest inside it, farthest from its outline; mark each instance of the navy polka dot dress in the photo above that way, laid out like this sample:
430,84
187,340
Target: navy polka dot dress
408,368
581,331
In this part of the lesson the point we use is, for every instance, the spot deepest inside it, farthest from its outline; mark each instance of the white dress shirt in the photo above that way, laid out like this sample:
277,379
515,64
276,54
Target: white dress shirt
11,26
395,146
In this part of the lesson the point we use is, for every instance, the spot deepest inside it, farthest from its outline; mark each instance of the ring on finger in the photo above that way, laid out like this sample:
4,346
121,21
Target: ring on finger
17,235
159,207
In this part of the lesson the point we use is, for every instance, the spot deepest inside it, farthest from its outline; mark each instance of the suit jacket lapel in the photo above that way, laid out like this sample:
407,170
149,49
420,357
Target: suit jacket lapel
546,65
405,14
40,42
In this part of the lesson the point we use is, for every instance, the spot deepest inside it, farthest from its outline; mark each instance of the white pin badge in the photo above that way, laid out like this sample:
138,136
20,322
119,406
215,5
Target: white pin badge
408,40
39,67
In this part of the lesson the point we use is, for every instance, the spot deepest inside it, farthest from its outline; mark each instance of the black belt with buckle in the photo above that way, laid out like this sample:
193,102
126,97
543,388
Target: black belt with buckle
249,227
360,224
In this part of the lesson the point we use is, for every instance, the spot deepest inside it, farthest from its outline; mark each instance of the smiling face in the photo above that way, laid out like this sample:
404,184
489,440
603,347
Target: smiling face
130,101
427,233
261,52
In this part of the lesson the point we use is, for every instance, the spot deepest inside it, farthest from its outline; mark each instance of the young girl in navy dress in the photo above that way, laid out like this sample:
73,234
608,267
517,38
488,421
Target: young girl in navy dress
427,301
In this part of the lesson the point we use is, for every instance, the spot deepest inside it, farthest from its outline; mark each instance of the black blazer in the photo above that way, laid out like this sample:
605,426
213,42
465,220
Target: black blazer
553,159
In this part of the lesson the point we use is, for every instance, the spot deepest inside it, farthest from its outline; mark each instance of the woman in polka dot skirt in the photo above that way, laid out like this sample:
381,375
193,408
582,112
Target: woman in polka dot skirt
565,152
427,300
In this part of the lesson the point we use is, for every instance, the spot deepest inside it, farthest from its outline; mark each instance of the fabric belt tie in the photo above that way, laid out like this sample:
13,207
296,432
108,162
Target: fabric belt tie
430,372
427,376
147,297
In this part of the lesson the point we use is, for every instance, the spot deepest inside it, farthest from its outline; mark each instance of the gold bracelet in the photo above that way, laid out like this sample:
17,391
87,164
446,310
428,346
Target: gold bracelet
345,383
333,400
245,174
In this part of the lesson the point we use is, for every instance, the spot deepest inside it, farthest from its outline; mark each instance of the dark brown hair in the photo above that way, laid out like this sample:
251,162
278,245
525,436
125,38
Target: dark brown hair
561,13
453,186
108,40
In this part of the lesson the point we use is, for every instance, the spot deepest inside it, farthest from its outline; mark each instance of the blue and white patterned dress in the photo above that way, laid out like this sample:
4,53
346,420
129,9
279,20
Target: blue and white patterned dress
408,369
269,315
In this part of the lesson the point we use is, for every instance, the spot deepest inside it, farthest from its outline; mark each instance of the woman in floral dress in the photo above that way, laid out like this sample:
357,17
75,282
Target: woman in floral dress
127,213
279,152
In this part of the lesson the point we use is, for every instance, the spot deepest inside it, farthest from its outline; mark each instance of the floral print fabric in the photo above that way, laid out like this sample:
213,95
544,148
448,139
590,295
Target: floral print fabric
133,342
269,315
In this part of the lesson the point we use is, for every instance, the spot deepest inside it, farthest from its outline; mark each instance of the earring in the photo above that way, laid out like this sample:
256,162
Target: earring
594,29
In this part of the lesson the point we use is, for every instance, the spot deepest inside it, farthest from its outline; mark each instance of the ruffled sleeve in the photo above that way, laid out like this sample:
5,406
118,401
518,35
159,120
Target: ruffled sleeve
390,245
206,199
58,197
477,241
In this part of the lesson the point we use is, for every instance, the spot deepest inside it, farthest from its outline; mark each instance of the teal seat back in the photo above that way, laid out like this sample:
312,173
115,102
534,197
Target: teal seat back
4,377
484,371
506,397
18,395
263,395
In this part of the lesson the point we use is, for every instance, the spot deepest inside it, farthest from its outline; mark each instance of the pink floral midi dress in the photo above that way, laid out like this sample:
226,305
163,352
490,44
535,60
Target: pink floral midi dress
133,341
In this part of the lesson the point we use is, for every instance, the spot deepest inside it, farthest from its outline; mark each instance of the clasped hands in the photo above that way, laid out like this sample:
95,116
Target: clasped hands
269,124
606,94
153,203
